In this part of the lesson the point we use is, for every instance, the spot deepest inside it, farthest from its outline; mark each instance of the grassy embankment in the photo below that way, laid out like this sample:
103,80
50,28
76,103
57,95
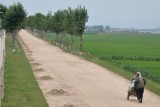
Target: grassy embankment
21,87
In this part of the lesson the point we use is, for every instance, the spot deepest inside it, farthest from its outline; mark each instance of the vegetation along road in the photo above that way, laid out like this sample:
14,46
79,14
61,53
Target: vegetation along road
70,81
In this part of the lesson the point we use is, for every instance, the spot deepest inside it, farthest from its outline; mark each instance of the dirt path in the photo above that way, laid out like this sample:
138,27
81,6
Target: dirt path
70,81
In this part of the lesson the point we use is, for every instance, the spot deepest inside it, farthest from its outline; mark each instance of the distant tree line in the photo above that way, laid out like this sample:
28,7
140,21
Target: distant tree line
64,23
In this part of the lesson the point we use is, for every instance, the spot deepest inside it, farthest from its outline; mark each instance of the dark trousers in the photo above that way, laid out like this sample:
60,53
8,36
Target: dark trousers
139,93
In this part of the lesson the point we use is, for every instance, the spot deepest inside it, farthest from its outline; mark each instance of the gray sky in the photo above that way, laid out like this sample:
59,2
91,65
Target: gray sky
115,13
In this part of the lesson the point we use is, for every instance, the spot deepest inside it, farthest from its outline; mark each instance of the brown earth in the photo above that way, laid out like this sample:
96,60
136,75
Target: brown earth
77,82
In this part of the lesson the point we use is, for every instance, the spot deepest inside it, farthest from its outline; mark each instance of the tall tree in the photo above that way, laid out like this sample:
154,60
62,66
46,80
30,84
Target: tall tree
81,17
70,25
30,23
14,20
58,28
48,21
40,22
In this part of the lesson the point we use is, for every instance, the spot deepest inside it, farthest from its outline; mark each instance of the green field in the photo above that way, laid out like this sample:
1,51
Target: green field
122,44
126,44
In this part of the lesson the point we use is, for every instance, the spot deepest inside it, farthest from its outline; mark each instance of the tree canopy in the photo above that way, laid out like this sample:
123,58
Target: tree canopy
14,17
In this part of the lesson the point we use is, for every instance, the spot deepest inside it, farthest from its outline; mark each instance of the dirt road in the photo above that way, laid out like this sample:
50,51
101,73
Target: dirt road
70,81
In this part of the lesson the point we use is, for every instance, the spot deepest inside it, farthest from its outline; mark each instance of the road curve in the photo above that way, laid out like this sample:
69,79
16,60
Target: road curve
70,81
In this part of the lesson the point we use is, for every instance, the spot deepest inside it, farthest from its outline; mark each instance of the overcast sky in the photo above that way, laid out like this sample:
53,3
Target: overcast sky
115,13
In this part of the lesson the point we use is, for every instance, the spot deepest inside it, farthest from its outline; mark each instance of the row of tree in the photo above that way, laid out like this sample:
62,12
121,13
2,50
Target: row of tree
67,22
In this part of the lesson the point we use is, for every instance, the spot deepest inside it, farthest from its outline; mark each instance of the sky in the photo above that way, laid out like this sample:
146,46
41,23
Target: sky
137,14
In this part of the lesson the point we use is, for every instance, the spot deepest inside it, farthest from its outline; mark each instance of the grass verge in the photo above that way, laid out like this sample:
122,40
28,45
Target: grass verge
21,88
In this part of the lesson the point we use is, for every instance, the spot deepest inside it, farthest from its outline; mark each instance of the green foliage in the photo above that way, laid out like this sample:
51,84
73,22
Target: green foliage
58,21
30,22
3,10
40,21
21,87
81,17
37,23
48,21
69,23
14,17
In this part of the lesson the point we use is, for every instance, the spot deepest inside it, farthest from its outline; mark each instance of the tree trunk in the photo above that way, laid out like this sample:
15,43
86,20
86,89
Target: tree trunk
56,40
14,39
65,47
41,33
32,29
81,43
72,42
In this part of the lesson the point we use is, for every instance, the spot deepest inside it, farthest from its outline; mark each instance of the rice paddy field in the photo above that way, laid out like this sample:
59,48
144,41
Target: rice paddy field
123,44
126,45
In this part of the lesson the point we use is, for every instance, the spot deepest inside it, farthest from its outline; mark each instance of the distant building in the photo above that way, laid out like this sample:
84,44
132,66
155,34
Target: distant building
107,28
